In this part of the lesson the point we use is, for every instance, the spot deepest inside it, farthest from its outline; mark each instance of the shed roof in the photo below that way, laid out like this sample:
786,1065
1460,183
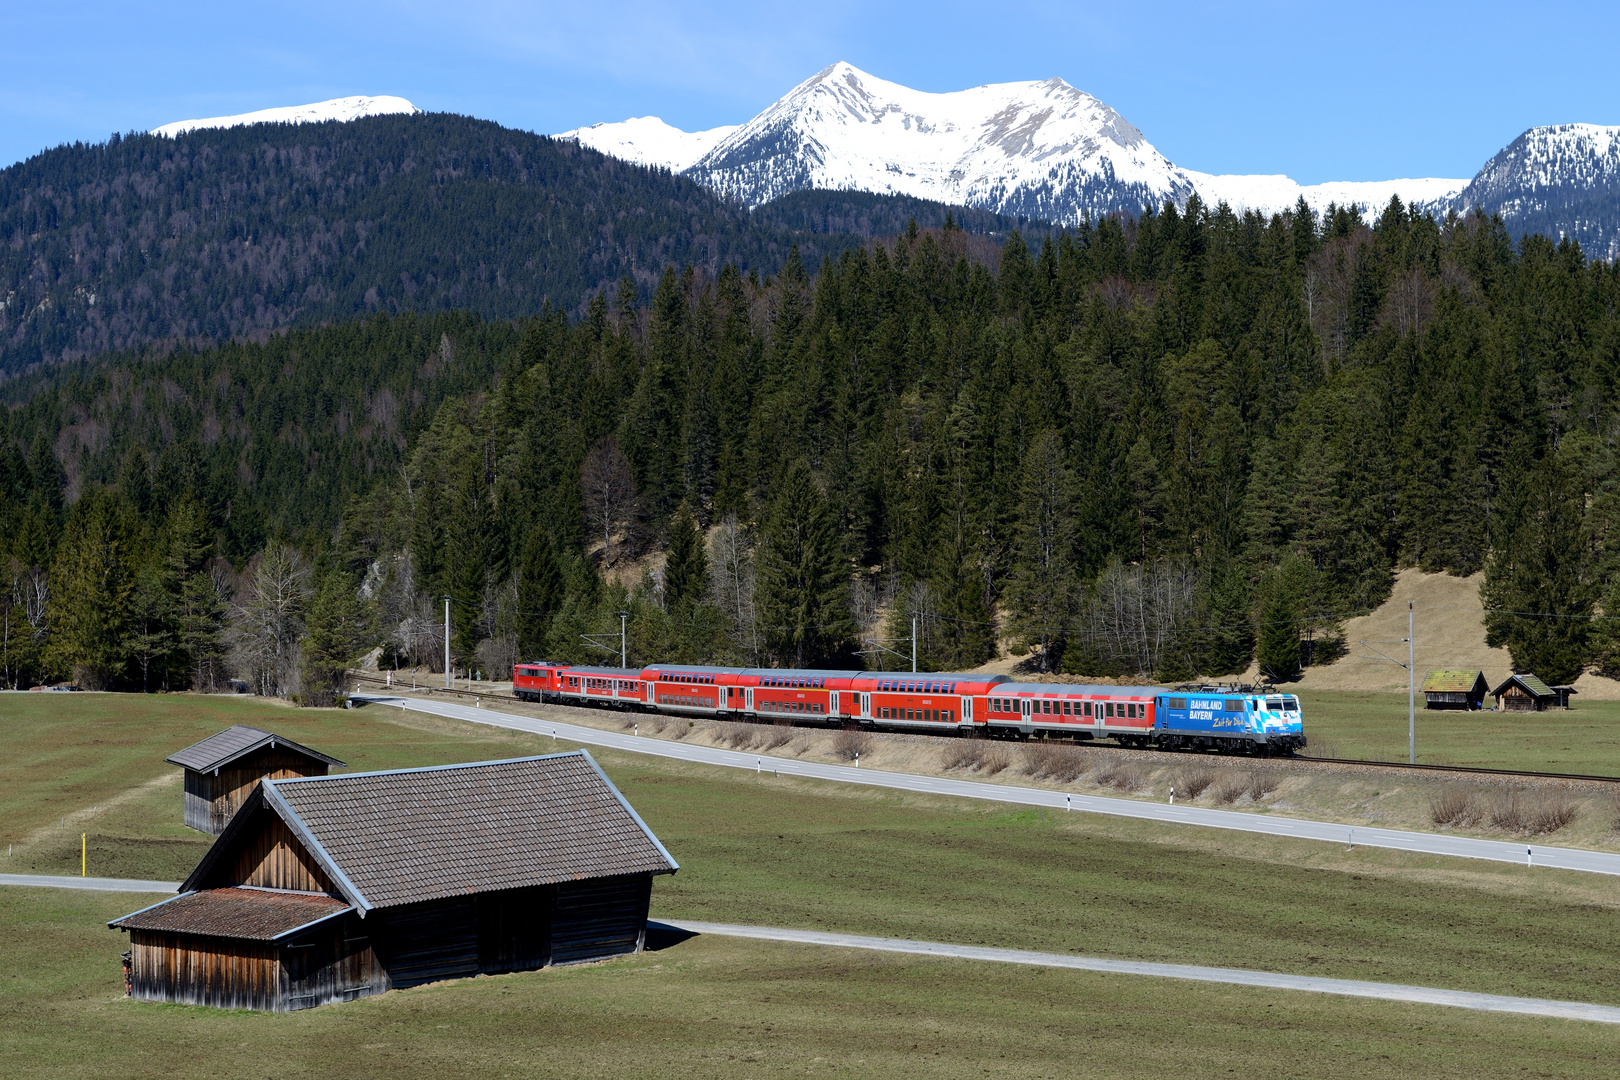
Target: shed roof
234,742
1529,683
408,835
1451,681
246,913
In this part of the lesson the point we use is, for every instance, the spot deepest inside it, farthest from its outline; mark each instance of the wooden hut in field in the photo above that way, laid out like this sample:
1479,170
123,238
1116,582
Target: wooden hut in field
1526,693
332,888
1450,689
223,770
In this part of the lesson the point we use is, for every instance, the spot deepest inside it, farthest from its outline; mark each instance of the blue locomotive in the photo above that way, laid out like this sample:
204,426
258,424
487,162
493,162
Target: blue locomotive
1228,718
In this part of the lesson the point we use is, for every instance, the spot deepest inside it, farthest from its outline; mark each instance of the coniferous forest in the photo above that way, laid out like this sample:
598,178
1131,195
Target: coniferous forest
1145,448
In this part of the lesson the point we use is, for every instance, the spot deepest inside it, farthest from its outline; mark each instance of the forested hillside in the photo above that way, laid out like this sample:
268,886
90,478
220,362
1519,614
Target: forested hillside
235,232
1158,448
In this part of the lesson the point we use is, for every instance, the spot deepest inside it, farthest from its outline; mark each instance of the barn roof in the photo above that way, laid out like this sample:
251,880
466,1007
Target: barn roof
234,742
1531,685
247,913
1451,681
408,835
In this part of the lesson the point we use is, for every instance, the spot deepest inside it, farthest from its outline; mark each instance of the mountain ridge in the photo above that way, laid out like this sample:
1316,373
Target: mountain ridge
1048,151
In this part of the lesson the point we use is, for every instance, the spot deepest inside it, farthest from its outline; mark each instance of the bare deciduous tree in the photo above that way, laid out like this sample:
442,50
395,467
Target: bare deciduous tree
1136,614
731,584
610,493
269,622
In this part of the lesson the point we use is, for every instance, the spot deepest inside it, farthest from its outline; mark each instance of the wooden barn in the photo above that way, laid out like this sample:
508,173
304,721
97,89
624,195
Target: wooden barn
338,887
1446,689
223,770
1526,693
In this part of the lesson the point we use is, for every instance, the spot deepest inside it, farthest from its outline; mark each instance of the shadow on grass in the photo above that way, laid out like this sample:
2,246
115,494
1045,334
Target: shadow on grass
661,936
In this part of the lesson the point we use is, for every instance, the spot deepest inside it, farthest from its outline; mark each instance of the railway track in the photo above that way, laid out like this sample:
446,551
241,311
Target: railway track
493,695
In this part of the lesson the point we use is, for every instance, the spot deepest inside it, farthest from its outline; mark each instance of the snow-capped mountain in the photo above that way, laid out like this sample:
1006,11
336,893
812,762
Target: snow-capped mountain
346,108
1043,150
1562,180
1040,149
647,140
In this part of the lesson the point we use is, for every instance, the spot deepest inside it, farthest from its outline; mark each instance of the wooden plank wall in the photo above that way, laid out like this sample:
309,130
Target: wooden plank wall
336,961
514,929
274,859
196,970
600,917
234,784
200,802
430,941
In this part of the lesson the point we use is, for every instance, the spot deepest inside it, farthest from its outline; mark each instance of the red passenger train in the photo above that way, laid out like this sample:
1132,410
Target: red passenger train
920,701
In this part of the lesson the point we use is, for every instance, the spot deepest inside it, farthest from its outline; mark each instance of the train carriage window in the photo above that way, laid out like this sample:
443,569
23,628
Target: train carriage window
1108,709
1068,709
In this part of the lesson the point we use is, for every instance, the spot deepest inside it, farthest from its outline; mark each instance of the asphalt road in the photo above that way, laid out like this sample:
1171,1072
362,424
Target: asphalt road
93,884
1595,862
1569,1010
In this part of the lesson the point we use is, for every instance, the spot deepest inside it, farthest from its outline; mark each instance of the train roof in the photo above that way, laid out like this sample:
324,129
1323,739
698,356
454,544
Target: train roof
811,673
1091,689
611,672
700,669
949,676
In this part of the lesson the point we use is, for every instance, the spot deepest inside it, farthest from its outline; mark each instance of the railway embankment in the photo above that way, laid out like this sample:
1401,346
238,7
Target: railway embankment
1568,812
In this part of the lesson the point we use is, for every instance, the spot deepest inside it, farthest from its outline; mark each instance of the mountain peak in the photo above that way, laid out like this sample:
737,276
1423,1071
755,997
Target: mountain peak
345,108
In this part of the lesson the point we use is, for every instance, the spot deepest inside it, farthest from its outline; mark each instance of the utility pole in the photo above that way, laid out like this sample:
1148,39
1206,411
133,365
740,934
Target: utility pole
1410,641
914,643
447,643
624,653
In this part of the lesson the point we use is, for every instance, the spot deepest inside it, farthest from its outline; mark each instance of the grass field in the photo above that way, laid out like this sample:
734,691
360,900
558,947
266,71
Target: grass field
732,1009
1373,725
790,853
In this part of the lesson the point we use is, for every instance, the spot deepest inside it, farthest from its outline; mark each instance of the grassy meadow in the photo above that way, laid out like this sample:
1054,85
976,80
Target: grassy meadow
1373,725
792,853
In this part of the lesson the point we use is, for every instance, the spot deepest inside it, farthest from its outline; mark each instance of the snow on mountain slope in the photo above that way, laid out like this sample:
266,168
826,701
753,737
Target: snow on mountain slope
347,108
1041,149
1547,164
647,140
1046,151
1273,194
1561,181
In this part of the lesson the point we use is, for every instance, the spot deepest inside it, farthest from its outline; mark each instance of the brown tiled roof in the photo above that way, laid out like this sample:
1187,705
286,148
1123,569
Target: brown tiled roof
235,741
253,914
422,834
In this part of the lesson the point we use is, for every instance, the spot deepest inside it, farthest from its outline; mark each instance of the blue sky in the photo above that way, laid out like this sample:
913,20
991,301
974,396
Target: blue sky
1318,91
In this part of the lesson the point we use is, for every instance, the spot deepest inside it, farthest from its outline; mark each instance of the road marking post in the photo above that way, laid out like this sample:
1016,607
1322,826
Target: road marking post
1068,802
1172,796
1528,860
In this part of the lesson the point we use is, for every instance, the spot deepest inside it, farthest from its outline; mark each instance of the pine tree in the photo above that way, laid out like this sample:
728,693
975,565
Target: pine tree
339,627
802,588
151,639
686,571
539,594
1043,586
91,585
1282,617
202,606
1538,587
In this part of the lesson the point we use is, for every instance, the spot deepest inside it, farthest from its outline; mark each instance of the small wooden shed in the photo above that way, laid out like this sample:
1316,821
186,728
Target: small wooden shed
338,887
1526,693
223,770
1454,689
